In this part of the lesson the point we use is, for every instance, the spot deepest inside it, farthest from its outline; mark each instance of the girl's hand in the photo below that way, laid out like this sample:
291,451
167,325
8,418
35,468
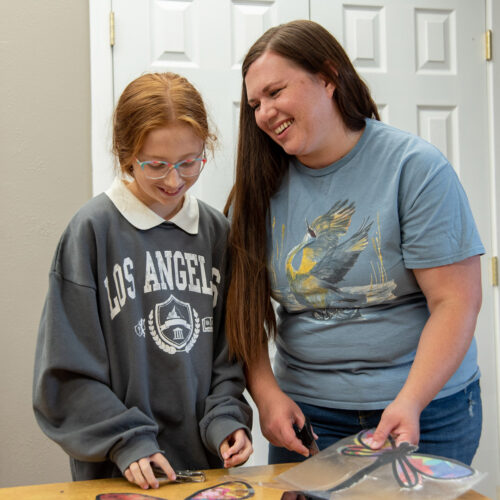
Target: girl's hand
142,474
236,448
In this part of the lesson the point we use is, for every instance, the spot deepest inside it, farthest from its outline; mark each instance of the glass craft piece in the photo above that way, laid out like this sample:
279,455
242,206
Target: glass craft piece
126,496
352,469
230,490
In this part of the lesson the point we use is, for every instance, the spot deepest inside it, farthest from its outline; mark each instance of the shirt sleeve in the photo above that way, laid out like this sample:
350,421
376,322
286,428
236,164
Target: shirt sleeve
225,408
437,226
72,396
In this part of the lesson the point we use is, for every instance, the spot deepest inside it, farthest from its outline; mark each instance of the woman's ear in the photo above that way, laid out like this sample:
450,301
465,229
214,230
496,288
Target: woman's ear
330,86
329,70
327,82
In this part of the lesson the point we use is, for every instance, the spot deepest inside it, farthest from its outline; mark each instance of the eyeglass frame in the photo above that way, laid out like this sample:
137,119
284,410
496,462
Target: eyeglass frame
171,166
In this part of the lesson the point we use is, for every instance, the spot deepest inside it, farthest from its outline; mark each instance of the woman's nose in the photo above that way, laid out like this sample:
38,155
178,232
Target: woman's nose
266,111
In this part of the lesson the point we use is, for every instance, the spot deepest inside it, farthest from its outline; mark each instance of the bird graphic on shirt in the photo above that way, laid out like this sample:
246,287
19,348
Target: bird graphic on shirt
316,266
321,260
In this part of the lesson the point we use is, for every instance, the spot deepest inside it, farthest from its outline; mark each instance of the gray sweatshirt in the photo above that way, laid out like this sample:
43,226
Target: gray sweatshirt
131,356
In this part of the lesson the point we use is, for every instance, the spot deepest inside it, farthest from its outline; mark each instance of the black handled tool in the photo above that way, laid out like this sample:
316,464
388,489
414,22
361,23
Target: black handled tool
307,437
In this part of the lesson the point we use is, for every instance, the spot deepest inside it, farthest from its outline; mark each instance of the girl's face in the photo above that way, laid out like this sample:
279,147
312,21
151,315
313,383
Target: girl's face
173,143
294,107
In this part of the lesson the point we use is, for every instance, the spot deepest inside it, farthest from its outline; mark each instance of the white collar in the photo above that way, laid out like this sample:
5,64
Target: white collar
142,217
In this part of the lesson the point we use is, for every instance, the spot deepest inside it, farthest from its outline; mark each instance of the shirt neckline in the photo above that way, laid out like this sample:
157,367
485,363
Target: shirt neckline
142,217
318,172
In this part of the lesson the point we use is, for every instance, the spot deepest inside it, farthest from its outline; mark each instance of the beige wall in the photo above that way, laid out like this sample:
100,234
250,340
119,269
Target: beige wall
45,153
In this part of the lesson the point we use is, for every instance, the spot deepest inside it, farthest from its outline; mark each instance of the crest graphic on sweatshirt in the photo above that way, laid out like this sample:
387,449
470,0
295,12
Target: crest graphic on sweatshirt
174,325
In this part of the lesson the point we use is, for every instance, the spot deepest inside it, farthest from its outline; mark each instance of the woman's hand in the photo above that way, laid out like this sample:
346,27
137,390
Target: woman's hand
142,474
278,413
401,419
236,448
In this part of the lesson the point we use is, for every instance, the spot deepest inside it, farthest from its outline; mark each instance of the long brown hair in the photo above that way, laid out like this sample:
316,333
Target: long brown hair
260,166
151,101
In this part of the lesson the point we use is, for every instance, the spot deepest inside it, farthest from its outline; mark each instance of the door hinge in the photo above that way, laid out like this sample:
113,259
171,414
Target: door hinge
494,271
112,29
488,45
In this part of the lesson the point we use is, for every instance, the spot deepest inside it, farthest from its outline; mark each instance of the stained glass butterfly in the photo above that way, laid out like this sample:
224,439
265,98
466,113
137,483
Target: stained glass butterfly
408,468
230,490
126,496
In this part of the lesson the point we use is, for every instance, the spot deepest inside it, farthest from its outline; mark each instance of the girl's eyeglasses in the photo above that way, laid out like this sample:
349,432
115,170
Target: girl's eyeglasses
160,169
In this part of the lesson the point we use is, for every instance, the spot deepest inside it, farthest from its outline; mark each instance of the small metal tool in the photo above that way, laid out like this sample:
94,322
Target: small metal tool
181,476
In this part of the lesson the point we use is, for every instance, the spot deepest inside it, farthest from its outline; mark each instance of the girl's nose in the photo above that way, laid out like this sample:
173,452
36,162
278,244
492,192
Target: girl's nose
173,180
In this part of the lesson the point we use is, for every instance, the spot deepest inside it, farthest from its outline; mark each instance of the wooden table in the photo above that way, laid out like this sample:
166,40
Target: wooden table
88,490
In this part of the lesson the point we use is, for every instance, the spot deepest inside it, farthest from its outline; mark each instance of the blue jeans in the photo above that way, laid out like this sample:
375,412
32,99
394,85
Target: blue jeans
449,427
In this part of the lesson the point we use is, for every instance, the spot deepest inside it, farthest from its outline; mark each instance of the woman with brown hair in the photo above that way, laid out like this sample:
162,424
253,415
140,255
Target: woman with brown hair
132,366
363,236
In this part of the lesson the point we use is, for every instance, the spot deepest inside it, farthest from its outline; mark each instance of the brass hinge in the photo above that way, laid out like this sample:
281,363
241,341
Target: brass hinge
494,271
112,29
488,45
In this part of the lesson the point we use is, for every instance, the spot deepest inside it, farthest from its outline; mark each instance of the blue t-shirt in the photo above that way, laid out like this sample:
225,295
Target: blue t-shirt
342,243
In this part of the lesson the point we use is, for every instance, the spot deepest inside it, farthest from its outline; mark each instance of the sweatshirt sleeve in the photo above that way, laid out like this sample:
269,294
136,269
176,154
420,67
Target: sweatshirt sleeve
226,409
72,396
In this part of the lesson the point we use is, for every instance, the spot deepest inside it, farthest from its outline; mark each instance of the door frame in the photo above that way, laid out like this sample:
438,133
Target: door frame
101,93
493,82
101,65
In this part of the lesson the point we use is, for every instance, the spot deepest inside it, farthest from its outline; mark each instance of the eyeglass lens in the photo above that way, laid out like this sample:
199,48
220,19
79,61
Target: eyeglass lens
158,170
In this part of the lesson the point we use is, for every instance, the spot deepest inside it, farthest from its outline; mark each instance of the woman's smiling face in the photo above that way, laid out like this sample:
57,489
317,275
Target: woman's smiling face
294,107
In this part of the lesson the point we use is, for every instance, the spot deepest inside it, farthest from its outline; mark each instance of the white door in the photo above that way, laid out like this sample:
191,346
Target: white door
204,40
424,62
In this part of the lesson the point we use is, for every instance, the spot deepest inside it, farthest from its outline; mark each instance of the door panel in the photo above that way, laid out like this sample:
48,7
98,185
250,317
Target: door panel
419,70
424,62
204,40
